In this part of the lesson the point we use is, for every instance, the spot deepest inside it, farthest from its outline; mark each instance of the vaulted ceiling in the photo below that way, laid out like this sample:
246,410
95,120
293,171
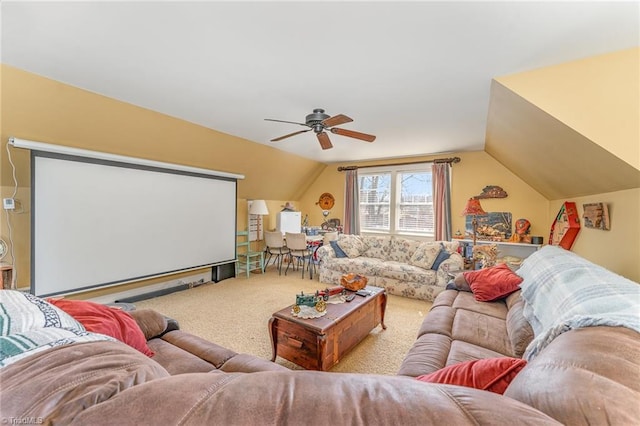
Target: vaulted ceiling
415,74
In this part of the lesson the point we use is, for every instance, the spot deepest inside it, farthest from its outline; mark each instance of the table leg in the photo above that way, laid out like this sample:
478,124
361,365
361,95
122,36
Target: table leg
273,332
383,307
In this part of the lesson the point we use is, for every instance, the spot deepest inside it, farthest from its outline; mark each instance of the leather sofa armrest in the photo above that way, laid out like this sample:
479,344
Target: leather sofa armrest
152,323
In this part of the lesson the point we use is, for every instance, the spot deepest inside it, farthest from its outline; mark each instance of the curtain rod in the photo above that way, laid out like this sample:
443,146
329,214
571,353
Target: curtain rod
437,160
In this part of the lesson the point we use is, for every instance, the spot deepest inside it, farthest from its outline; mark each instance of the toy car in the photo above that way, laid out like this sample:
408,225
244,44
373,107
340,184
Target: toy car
314,300
328,292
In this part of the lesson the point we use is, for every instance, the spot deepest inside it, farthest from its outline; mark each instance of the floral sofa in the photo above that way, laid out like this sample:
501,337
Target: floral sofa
402,266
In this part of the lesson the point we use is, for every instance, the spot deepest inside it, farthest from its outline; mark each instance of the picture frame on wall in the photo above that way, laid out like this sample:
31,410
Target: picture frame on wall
596,215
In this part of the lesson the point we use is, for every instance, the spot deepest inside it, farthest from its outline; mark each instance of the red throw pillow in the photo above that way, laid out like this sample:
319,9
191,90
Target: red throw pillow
492,374
492,283
102,319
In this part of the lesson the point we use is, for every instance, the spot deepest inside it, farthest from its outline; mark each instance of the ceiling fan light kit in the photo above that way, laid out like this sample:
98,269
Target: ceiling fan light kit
320,123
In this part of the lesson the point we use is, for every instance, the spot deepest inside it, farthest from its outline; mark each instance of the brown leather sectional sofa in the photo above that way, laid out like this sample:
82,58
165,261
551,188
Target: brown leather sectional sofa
583,376
586,376
191,381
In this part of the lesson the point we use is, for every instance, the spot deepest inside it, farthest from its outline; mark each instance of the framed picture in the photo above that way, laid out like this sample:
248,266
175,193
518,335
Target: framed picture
493,226
596,215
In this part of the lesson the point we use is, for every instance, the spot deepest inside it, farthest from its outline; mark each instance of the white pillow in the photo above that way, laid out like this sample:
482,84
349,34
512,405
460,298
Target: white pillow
425,255
352,245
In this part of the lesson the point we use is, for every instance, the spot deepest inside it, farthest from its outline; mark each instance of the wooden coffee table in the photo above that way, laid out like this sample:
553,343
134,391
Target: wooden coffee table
320,343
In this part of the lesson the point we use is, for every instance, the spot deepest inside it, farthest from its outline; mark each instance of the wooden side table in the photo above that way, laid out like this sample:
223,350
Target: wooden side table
6,276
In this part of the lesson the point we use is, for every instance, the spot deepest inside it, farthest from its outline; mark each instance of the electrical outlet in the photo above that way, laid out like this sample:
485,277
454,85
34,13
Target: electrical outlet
9,203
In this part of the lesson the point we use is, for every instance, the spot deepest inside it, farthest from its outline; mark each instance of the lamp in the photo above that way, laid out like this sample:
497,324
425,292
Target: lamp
474,208
258,207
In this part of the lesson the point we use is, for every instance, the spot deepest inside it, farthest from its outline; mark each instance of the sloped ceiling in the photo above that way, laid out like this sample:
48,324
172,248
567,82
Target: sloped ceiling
414,73
571,130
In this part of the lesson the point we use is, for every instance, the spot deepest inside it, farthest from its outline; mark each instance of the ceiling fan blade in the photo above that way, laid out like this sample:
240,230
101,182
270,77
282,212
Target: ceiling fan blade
283,121
323,138
336,120
289,135
353,134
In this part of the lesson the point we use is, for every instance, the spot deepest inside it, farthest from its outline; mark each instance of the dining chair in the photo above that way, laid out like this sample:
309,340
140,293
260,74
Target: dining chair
299,250
275,247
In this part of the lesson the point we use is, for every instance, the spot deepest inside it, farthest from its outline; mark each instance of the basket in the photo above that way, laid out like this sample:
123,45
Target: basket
353,282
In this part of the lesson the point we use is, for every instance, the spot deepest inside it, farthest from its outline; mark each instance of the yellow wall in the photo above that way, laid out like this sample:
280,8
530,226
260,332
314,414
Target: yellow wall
44,110
40,109
475,171
619,248
599,97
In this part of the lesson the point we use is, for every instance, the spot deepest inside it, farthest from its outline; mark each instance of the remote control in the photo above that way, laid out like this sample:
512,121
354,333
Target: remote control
363,293
350,297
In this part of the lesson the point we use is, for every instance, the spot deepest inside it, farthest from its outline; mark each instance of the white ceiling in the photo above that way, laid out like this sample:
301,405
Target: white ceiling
416,74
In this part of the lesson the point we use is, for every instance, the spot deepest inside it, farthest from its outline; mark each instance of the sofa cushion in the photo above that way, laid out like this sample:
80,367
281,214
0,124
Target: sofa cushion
352,245
405,272
367,266
586,376
59,383
105,320
424,255
443,255
460,283
402,249
468,302
518,328
377,246
337,250
152,323
493,374
492,283
481,330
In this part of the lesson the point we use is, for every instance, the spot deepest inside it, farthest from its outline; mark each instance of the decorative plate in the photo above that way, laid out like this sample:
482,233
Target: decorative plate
326,201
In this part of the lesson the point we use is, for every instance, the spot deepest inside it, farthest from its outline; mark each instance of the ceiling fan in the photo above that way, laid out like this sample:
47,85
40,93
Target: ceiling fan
321,123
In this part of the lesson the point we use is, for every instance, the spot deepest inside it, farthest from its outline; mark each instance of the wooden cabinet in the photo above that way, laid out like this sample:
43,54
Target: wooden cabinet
6,276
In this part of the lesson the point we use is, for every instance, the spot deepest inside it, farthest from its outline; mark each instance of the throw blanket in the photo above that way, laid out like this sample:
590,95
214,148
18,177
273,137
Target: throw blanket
563,291
30,325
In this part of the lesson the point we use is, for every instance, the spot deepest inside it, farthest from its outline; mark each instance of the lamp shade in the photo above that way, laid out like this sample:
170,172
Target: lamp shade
258,207
473,207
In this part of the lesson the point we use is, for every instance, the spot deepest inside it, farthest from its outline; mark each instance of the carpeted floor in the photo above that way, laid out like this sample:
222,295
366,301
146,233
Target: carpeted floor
234,313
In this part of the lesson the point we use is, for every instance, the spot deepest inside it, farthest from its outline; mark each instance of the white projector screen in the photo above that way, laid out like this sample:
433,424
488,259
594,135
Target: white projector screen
97,223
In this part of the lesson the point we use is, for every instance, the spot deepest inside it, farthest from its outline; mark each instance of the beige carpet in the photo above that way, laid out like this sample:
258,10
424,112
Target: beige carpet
234,313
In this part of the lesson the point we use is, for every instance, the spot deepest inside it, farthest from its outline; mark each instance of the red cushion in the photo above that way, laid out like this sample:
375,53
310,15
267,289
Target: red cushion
492,374
102,319
492,283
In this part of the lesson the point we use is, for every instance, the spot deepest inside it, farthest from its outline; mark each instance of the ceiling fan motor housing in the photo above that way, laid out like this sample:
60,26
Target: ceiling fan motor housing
315,119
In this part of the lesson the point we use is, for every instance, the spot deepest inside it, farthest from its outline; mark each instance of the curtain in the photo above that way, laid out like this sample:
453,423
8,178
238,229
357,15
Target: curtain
351,204
442,200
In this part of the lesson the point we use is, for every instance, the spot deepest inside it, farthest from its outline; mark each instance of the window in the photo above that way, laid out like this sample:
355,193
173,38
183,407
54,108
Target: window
397,200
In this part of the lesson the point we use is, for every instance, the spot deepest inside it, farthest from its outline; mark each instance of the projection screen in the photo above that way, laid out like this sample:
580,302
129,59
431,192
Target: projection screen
98,222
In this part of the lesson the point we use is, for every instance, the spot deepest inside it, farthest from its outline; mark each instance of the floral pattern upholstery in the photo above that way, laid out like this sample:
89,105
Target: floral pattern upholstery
378,246
425,255
352,245
380,265
402,249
